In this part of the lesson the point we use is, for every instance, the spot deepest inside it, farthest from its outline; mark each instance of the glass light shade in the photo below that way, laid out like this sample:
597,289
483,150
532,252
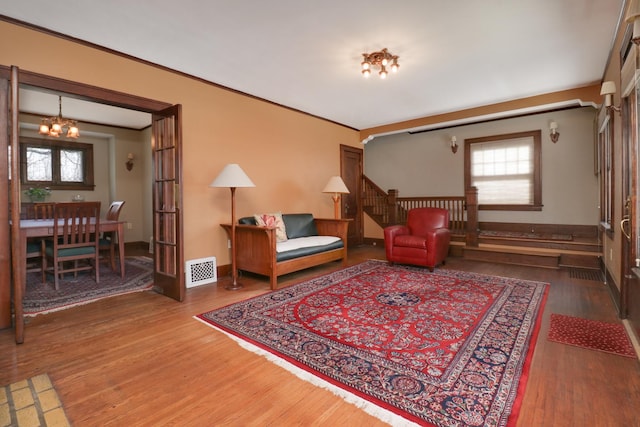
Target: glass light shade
365,65
56,128
44,129
73,132
366,73
383,74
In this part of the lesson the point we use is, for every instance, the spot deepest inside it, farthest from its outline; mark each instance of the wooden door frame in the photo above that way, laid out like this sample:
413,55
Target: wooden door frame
81,91
358,197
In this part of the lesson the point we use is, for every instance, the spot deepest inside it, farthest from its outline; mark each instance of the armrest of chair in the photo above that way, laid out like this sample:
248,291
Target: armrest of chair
254,244
392,231
333,227
438,242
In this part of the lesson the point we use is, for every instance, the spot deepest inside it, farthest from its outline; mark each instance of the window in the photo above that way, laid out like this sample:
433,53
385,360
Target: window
506,171
59,165
605,168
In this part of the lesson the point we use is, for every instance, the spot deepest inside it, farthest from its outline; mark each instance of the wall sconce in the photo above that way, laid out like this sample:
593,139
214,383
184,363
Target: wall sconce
608,89
129,161
454,144
554,134
633,17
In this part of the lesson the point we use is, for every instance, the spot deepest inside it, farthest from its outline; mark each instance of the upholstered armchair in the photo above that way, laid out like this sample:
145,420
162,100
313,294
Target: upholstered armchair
423,241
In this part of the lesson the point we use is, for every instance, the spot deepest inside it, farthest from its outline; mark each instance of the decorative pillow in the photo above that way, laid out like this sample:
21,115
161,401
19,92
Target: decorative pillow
273,220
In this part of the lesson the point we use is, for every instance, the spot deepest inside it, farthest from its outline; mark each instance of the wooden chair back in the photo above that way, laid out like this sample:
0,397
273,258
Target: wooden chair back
41,210
74,238
114,210
77,220
107,242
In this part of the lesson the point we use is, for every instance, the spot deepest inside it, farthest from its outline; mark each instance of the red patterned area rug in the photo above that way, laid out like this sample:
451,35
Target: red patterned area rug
590,334
41,299
411,347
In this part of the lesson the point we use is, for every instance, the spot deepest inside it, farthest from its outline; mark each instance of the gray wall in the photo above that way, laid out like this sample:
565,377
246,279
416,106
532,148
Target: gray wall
423,165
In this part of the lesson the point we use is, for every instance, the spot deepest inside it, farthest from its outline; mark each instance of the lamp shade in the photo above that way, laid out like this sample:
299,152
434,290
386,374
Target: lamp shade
608,88
633,11
232,176
335,185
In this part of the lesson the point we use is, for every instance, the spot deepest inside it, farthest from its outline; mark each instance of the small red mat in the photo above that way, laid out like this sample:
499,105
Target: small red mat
591,334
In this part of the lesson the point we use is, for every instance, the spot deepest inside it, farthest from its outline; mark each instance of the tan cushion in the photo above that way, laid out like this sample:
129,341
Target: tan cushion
273,220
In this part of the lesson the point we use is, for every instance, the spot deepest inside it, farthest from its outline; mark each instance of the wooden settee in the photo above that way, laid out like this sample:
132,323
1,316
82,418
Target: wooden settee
256,245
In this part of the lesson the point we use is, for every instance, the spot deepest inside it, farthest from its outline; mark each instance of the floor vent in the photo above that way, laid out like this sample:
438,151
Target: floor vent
586,274
201,271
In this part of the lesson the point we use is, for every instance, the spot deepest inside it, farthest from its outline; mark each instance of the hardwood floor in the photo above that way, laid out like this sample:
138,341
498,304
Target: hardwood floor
141,359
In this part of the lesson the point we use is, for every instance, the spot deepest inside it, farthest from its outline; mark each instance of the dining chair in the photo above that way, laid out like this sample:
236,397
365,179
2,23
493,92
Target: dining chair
34,245
75,238
107,242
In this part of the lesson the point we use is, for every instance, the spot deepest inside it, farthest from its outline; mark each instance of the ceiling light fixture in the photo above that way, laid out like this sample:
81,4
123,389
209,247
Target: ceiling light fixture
54,126
380,59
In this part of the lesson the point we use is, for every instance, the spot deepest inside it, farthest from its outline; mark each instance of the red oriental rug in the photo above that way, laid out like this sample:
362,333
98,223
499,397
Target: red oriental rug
447,348
590,334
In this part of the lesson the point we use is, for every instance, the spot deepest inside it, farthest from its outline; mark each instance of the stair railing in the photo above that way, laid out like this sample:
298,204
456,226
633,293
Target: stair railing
388,208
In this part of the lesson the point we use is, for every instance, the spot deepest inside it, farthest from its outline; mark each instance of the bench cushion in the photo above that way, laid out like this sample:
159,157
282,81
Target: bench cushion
299,225
306,246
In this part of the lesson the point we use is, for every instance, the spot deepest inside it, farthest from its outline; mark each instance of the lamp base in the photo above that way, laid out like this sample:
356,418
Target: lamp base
233,286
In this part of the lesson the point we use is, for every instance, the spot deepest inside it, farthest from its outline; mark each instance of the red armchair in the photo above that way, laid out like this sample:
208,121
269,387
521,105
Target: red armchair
423,241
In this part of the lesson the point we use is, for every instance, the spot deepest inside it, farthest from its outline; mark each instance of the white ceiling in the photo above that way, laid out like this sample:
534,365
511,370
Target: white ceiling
306,54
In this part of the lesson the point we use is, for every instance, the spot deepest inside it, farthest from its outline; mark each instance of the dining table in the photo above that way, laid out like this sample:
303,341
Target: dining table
30,228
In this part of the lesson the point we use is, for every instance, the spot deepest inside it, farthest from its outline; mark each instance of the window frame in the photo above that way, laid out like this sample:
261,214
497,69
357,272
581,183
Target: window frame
606,169
56,146
536,136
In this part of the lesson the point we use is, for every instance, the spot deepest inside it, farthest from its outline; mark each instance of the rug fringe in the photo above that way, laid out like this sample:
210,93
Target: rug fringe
79,303
372,409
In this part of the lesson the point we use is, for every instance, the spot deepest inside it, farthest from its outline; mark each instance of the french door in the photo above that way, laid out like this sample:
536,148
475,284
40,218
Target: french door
167,203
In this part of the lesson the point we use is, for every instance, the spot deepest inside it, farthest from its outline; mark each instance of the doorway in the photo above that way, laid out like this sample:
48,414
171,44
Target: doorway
175,287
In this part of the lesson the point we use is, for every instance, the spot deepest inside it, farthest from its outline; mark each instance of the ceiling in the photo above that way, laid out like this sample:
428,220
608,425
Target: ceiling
306,55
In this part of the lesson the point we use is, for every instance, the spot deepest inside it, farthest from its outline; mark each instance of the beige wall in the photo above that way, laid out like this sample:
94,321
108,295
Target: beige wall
288,155
569,186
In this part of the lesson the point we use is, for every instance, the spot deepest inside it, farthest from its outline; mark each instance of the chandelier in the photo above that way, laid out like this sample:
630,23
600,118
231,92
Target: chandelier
56,125
380,59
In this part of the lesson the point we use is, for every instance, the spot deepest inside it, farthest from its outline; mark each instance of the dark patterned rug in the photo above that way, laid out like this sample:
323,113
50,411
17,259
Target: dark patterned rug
446,348
40,299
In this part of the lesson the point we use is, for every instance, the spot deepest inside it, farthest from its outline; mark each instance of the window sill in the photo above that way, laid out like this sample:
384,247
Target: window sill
510,207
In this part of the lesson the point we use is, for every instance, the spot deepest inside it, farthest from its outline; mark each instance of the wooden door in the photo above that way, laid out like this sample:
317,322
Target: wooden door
166,144
351,204
629,306
630,225
6,97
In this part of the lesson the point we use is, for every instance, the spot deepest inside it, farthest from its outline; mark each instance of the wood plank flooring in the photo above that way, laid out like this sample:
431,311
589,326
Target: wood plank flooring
141,359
